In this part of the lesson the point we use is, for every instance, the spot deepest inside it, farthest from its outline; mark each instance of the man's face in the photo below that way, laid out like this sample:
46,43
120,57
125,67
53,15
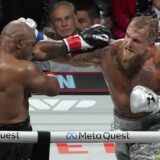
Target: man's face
28,44
63,21
29,49
84,21
135,48
136,41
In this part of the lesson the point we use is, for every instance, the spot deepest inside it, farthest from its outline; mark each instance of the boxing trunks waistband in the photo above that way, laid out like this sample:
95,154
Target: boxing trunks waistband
140,124
21,126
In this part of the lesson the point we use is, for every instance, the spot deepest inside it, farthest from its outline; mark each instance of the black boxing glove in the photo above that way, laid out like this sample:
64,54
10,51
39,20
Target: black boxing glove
97,36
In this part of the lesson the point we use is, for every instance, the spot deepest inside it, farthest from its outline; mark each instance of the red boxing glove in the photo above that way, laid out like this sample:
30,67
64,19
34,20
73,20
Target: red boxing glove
76,43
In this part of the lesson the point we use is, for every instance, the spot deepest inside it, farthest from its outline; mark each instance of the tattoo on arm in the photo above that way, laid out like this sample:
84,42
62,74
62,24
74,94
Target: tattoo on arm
93,57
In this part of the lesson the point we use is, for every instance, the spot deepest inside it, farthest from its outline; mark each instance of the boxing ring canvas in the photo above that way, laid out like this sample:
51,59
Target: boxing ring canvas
74,112
82,105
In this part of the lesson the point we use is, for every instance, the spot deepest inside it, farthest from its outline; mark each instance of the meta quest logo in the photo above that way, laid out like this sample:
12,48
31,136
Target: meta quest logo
96,136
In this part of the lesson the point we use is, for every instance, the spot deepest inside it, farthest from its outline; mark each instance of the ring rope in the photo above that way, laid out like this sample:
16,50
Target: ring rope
82,136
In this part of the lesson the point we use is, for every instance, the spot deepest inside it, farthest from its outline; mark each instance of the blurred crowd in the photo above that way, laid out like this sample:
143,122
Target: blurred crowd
59,19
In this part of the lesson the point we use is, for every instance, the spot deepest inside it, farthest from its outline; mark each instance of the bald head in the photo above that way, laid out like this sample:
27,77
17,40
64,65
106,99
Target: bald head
17,39
17,29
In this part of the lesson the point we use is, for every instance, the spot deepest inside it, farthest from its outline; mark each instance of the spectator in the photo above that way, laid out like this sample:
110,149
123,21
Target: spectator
123,11
63,20
88,14
154,10
142,5
106,20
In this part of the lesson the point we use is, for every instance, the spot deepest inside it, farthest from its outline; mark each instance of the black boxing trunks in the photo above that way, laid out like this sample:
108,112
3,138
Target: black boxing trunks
16,151
138,151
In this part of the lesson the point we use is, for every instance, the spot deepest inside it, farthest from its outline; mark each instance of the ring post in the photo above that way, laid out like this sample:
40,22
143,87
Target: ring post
41,149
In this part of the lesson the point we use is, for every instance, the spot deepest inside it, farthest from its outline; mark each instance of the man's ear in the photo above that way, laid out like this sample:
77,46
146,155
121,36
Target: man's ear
19,43
152,44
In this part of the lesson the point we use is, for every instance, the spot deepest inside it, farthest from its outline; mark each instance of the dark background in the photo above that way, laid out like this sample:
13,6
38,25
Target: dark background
38,9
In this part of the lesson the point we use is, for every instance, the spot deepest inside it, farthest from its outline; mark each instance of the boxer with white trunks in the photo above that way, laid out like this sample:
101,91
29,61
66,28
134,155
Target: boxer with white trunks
142,99
125,63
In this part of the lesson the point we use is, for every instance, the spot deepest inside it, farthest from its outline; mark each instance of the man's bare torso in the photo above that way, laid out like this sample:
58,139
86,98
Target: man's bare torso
13,107
121,85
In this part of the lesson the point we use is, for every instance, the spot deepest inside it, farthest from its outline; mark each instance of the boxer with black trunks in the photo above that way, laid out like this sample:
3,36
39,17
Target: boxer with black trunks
125,63
19,77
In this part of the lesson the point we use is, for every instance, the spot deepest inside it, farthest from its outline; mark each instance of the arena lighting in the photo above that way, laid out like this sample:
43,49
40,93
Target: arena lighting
81,136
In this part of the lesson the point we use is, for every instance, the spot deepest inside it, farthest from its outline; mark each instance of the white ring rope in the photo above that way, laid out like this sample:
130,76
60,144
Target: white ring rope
82,136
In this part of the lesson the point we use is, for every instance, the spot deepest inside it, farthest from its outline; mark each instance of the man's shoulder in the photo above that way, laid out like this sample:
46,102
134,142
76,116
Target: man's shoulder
116,43
29,65
9,62
156,55
16,70
24,66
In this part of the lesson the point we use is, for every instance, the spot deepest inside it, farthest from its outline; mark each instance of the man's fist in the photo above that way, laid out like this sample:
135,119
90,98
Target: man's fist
97,36
143,99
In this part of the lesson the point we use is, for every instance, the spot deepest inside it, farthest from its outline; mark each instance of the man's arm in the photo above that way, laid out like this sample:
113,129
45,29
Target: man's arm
38,82
97,36
49,49
58,54
95,57
143,99
91,38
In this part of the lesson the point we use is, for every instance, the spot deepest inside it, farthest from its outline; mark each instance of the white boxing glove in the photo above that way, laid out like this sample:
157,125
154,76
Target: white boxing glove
33,25
143,99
